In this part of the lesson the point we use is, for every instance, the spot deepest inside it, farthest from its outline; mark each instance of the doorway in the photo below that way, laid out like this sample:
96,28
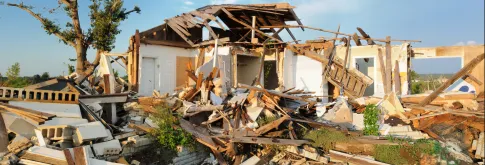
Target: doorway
148,76
366,65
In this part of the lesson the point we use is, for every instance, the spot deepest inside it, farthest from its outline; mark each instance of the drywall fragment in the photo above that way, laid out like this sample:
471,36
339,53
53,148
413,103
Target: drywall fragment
358,121
112,147
22,127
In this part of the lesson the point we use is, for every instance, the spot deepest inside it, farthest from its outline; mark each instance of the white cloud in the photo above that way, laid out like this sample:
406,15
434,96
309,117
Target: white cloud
188,2
223,1
467,43
471,42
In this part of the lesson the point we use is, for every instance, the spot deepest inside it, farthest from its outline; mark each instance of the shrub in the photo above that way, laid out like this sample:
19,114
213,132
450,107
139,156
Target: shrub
371,116
169,134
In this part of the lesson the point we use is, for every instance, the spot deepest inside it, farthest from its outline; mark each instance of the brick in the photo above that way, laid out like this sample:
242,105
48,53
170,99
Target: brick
112,147
59,132
89,131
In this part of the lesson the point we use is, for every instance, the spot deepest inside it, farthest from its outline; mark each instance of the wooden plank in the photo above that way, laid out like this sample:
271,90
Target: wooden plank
42,84
397,79
38,114
388,66
200,58
80,156
219,157
366,36
200,136
463,71
174,28
258,140
199,81
271,125
473,78
69,159
356,39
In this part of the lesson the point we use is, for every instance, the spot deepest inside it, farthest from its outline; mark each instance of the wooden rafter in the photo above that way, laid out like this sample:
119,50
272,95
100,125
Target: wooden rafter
246,25
274,34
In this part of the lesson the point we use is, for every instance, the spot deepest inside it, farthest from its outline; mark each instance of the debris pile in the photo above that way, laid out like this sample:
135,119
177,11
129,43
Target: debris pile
215,118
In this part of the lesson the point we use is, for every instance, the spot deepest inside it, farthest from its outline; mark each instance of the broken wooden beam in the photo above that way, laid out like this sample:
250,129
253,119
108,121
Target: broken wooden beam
274,124
463,71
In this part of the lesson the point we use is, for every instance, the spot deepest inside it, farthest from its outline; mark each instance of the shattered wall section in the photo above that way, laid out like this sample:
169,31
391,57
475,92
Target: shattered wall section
399,53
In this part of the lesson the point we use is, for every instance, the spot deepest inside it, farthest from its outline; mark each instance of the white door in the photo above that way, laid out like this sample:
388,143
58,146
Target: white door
147,76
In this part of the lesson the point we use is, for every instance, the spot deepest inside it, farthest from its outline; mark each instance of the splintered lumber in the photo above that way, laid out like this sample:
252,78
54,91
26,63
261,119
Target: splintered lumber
239,85
271,125
258,140
383,69
397,79
80,156
69,158
219,157
463,71
336,156
200,136
388,66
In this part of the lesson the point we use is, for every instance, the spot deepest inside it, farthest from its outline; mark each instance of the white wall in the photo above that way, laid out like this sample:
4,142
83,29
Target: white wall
304,73
165,60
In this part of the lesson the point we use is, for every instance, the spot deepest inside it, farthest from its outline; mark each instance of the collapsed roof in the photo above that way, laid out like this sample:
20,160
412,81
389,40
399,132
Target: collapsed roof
231,23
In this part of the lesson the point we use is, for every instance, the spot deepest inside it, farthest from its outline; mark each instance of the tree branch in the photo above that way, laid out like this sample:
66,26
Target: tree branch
43,21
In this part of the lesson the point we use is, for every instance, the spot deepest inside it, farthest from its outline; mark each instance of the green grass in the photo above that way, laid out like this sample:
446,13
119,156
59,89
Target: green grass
408,151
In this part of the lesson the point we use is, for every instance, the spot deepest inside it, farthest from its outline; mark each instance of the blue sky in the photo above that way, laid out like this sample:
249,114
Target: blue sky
435,22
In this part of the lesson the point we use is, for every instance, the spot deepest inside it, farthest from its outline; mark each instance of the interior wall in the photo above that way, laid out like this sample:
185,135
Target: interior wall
165,66
247,68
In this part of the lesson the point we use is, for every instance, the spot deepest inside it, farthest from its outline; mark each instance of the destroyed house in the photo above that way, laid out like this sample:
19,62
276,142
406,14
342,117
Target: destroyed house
244,45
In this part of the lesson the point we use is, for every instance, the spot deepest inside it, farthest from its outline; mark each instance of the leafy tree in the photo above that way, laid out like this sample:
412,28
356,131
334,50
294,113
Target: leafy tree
105,16
13,77
13,72
45,76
